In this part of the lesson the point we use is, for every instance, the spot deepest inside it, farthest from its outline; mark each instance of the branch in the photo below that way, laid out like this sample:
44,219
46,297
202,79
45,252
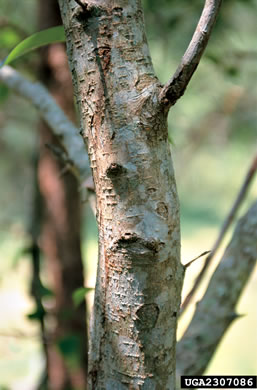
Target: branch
240,197
216,311
54,117
176,86
196,258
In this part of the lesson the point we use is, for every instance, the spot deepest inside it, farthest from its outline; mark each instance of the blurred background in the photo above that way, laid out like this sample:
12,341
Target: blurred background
213,135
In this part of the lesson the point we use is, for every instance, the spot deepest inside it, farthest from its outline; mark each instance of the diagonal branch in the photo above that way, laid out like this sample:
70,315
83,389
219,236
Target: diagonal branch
216,311
176,86
240,197
62,127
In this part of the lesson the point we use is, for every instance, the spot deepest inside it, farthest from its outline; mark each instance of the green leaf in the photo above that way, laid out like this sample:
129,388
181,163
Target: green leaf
45,291
232,71
8,38
21,252
71,348
171,141
79,295
41,38
69,345
4,93
37,315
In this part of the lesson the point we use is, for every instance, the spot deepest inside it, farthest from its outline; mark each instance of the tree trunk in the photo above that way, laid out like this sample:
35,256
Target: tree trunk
61,233
139,272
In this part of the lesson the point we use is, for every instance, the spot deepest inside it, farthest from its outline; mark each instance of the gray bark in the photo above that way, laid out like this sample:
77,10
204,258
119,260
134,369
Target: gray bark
139,274
54,116
216,311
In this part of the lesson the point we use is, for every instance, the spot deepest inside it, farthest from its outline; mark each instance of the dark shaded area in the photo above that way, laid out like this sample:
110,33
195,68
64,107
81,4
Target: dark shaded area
60,238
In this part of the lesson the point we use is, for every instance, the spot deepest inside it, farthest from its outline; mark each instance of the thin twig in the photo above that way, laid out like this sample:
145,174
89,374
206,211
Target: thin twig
27,337
19,335
196,258
241,195
176,86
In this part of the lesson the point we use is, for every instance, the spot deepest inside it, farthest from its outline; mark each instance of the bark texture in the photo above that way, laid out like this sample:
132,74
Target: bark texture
61,228
216,311
139,274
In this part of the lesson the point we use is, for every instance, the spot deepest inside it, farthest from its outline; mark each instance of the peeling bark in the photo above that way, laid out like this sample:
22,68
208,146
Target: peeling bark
139,274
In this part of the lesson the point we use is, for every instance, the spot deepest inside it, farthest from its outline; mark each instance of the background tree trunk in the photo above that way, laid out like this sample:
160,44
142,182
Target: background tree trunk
139,274
61,232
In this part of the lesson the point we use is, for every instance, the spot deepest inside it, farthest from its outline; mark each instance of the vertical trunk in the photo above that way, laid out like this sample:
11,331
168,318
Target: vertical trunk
139,273
61,233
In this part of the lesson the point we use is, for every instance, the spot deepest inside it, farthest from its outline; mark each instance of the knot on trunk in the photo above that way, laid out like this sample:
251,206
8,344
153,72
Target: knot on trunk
147,316
115,170
140,251
86,11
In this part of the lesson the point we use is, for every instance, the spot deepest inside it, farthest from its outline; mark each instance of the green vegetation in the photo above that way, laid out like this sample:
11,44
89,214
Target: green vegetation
214,131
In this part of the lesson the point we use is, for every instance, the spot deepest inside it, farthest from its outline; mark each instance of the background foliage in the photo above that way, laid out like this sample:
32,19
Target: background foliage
213,132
